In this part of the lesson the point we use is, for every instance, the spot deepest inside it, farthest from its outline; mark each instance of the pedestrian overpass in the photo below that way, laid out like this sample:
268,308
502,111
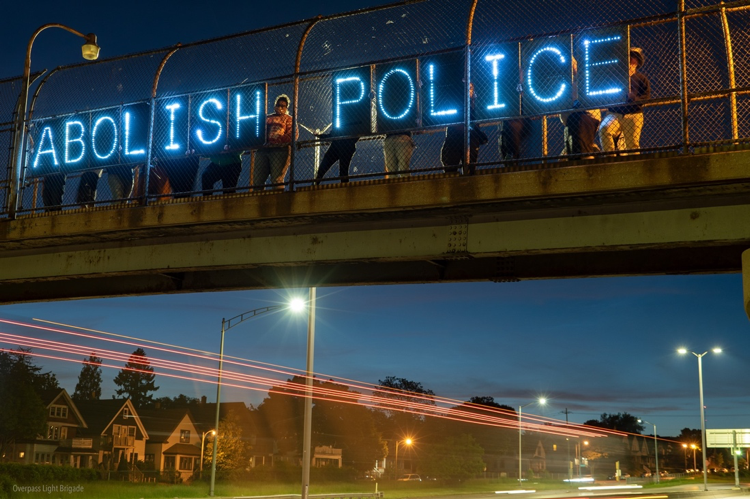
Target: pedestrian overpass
642,216
680,205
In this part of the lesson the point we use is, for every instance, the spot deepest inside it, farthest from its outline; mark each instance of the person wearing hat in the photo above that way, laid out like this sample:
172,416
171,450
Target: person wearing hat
272,160
621,128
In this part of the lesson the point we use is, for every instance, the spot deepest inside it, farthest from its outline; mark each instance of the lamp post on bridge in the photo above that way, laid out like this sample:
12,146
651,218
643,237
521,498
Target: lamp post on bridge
90,52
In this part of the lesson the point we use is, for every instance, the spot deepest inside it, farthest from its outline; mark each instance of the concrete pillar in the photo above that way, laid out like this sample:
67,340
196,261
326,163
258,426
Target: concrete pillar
746,280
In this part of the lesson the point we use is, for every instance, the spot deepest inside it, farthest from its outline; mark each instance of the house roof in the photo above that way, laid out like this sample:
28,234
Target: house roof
160,424
204,415
99,414
49,397
184,449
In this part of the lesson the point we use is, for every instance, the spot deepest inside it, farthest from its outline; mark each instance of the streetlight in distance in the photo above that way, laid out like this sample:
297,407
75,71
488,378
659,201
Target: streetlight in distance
407,441
684,447
227,324
683,351
90,52
694,447
541,401
203,446
656,450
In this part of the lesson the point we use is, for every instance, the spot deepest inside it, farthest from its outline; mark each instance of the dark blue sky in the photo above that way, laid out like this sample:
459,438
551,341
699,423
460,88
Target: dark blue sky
592,346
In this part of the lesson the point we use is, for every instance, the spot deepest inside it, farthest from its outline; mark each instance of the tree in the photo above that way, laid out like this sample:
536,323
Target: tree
347,426
232,453
22,413
397,423
181,401
281,415
453,460
620,421
89,386
136,380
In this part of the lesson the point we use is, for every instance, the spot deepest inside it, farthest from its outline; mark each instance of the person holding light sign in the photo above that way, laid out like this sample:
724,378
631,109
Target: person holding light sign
272,160
225,167
621,128
580,126
452,153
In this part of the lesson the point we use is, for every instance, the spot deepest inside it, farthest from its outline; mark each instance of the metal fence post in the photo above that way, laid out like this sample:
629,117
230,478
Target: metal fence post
683,75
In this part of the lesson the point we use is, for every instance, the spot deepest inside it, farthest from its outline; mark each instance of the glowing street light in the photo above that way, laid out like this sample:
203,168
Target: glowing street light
541,401
407,441
227,324
683,351
90,52
203,446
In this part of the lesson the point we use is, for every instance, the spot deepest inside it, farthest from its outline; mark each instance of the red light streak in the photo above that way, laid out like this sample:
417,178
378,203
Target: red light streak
380,398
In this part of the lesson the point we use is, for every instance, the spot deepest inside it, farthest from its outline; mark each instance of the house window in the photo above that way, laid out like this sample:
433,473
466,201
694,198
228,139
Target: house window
53,432
58,411
131,431
149,458
185,437
186,463
116,430
168,462
125,413
63,433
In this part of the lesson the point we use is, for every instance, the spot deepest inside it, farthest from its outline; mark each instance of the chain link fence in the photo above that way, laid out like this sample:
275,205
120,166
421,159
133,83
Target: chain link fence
411,89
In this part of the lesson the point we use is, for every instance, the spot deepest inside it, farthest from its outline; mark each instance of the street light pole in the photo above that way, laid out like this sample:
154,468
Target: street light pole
295,305
395,461
703,415
203,446
307,434
90,51
656,450
520,432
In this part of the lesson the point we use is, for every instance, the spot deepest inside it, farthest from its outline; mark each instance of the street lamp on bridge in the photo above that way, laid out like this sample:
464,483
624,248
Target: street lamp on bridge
90,52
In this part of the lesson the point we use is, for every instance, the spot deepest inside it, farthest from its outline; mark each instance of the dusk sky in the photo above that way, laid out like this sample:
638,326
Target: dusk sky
590,345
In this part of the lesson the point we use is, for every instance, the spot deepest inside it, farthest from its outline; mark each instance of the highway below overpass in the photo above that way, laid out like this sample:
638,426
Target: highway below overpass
637,215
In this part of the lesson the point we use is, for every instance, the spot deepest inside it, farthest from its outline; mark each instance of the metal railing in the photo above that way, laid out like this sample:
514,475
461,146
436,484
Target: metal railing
189,121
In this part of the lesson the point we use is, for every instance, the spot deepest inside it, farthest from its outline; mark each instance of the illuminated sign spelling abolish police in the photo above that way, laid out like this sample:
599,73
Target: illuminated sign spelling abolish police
382,98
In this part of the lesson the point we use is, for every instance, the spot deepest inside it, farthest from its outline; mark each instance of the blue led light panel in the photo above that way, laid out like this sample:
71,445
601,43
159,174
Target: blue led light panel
547,75
495,74
171,119
442,94
133,142
247,117
603,60
208,122
48,139
351,102
397,96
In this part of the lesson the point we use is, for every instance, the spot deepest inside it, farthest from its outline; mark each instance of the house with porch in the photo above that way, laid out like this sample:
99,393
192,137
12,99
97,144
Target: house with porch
64,441
116,431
